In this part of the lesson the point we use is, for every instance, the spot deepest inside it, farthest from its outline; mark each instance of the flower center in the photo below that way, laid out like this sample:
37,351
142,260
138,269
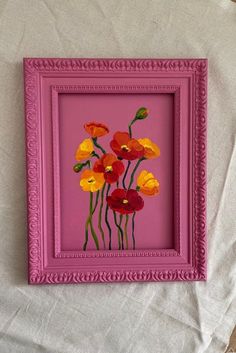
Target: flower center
125,201
125,148
91,180
108,168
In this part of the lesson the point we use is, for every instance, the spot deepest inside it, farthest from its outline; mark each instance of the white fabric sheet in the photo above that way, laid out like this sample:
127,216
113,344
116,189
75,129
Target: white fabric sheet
118,318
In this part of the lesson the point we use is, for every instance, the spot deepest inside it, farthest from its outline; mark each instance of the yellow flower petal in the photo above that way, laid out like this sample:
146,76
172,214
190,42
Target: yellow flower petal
151,150
84,150
91,181
84,185
147,183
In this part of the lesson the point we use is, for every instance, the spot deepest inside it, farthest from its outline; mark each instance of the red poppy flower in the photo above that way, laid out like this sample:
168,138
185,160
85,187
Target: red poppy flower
126,147
95,129
110,166
125,201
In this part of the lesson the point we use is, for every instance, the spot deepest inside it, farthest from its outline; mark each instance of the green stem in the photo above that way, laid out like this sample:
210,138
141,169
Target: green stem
125,175
125,231
86,233
97,145
118,233
106,217
130,129
133,237
119,242
94,154
95,238
87,163
120,229
79,166
133,172
100,217
96,202
89,222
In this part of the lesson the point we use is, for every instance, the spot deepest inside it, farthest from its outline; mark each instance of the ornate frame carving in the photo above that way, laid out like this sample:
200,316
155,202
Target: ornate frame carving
181,267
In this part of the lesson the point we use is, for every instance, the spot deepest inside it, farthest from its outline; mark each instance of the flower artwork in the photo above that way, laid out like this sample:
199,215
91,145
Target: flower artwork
115,187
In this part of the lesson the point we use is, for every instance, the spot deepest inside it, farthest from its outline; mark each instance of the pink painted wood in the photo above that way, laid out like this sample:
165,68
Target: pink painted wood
59,93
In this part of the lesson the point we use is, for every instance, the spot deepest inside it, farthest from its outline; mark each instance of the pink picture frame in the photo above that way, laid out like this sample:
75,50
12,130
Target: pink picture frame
63,97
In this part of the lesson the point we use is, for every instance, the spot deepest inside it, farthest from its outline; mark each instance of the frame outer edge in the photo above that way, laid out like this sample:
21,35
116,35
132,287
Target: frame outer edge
32,147
32,68
200,170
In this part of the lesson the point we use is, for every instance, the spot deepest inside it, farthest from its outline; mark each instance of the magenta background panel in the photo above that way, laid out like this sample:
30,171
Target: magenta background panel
116,111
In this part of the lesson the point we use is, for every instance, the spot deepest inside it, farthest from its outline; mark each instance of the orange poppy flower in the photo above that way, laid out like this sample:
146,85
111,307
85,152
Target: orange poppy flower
151,150
95,129
126,147
91,181
147,183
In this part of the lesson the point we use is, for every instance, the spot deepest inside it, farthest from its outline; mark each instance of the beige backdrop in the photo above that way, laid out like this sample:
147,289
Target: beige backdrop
118,318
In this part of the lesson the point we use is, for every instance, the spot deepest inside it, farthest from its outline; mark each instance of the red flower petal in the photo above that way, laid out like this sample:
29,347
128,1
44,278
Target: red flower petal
116,148
130,156
98,167
122,138
111,177
135,200
114,204
118,194
108,159
118,167
116,201
125,147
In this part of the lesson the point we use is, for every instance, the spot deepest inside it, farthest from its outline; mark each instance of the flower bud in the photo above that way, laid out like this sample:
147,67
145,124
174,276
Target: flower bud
141,114
78,167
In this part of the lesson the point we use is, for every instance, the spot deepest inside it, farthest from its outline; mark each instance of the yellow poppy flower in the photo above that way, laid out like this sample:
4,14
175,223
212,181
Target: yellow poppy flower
151,150
147,183
91,181
84,150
